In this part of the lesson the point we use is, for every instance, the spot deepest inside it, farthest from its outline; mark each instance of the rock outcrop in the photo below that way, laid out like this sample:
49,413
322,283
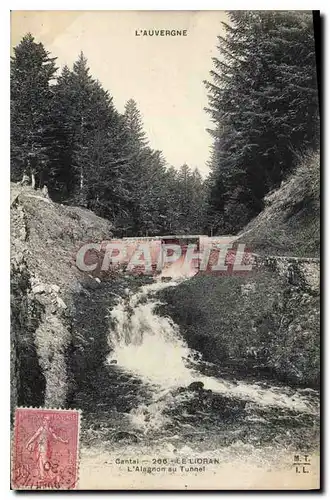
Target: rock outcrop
44,283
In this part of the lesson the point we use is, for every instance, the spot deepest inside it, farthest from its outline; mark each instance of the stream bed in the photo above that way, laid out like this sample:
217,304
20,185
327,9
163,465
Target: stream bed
153,392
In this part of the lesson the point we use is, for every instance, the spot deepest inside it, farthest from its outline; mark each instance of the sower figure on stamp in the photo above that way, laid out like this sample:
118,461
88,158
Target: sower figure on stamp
41,445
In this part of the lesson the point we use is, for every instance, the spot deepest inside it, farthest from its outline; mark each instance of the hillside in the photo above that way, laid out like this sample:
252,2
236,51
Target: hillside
267,321
290,221
58,313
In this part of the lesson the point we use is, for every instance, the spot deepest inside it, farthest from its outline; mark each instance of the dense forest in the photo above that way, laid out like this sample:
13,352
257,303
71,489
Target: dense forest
67,134
263,100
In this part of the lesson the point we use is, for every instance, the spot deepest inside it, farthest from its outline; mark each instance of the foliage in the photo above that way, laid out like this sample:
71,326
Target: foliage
32,70
264,105
90,155
290,222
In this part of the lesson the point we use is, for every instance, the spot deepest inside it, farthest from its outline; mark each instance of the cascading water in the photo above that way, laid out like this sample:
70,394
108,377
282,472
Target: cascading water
146,344
150,347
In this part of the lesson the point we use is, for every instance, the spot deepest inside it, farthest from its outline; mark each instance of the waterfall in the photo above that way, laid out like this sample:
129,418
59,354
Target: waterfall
147,344
151,347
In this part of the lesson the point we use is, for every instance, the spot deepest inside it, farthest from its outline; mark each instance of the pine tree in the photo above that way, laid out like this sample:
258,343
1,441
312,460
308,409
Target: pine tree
163,200
63,179
32,71
83,119
138,165
134,125
70,136
198,203
263,102
91,148
148,179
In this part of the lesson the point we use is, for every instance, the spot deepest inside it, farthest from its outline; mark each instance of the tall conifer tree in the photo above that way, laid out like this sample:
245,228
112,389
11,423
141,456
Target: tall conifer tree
263,102
32,71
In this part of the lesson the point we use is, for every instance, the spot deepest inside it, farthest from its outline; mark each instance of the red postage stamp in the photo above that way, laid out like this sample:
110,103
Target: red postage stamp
45,449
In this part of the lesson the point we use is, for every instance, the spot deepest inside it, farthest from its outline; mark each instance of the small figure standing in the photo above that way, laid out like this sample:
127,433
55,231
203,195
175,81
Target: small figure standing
41,445
44,191
25,180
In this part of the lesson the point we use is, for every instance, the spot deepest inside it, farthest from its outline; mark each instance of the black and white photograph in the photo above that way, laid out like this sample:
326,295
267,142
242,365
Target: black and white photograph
165,250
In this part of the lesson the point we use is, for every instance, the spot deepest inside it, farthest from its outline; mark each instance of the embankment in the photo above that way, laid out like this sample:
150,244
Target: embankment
267,322
290,221
59,314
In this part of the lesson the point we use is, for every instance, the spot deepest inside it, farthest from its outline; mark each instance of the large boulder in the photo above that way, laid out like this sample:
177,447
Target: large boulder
196,386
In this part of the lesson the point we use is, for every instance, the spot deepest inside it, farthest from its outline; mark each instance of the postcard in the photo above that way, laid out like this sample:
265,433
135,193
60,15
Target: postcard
165,250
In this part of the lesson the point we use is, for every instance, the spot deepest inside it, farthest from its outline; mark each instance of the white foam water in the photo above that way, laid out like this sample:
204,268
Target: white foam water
151,347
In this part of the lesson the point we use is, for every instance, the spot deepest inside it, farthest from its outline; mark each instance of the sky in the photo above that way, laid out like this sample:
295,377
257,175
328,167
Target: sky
163,74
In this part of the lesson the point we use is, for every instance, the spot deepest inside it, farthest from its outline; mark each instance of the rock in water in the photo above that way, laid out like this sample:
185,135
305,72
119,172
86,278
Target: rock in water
113,362
196,386
125,436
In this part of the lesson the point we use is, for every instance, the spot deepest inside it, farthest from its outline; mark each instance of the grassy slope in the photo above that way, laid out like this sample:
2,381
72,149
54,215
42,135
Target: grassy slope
252,324
263,321
290,222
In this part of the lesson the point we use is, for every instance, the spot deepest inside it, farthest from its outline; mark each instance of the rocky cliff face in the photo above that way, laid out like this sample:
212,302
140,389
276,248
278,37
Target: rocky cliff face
45,284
